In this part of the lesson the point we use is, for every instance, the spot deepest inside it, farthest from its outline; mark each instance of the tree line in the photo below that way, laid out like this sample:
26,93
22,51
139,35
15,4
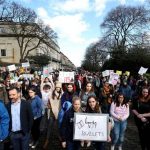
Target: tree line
125,40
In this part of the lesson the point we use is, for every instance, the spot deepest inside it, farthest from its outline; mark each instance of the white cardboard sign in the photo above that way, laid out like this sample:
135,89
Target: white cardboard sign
142,70
92,127
105,73
26,64
66,77
11,67
113,79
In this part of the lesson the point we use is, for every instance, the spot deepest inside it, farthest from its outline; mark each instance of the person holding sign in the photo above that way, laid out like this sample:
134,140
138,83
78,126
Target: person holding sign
94,107
119,110
67,126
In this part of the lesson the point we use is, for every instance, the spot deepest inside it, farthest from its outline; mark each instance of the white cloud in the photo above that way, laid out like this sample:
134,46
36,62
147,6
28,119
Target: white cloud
42,12
99,6
67,26
122,2
72,6
141,1
70,26
26,1
70,29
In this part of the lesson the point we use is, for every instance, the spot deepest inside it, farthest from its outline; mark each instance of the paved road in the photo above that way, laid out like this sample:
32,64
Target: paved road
131,139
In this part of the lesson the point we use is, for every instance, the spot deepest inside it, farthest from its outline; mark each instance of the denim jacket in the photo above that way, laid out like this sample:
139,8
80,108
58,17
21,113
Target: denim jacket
36,104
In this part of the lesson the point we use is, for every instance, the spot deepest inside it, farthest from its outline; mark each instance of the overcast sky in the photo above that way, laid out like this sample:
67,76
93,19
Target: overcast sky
77,22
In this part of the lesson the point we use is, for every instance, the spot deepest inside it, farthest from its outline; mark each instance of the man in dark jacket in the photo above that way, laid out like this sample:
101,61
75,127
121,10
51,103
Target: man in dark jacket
21,120
4,124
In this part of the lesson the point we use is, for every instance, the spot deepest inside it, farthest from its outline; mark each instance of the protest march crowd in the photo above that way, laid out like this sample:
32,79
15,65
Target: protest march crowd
33,104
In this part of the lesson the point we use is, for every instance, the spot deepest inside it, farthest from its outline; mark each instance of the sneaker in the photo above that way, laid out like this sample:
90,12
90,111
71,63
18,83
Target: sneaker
34,145
82,143
30,144
112,147
119,147
89,144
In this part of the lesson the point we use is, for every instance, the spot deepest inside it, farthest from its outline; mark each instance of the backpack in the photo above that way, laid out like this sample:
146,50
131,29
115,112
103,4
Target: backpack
65,107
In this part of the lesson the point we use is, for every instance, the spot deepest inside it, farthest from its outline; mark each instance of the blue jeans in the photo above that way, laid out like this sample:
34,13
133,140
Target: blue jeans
74,145
118,132
20,141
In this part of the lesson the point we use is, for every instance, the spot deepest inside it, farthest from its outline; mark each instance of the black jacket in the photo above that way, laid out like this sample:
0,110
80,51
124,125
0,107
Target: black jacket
26,116
67,125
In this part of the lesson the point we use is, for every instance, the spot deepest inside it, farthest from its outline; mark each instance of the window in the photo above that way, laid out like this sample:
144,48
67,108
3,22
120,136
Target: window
3,52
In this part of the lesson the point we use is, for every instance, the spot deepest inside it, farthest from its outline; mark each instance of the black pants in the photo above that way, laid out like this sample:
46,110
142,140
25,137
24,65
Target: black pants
1,146
35,131
144,135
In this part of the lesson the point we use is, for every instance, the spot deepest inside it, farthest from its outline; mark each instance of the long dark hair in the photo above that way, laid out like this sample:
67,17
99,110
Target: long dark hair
97,108
117,101
59,94
84,90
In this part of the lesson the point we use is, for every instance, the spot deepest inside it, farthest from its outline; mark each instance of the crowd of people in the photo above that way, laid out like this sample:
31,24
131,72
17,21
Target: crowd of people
31,107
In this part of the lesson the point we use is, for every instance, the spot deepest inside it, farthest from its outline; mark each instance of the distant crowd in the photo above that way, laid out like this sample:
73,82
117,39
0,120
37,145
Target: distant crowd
31,107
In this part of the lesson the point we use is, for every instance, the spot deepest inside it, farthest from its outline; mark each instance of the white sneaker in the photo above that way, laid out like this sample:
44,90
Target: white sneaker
34,145
82,143
30,144
88,144
112,147
119,147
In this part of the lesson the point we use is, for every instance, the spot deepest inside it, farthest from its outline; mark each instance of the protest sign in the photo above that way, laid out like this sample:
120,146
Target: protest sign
27,76
45,72
11,68
92,127
142,70
66,77
26,64
111,71
119,72
21,70
113,79
127,73
105,73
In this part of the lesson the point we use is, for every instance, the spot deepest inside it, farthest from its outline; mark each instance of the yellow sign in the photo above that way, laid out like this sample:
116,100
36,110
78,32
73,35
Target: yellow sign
21,70
119,72
127,73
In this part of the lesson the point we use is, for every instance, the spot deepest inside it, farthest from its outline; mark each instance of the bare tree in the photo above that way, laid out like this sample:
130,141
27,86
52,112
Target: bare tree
29,32
95,55
5,14
124,24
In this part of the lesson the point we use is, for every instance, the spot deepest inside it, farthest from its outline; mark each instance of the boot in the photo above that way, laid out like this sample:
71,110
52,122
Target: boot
46,144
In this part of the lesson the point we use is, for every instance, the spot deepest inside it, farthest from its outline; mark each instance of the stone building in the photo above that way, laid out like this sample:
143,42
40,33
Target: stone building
10,50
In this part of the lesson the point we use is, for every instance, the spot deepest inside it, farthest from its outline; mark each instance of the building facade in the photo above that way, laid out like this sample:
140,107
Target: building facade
10,49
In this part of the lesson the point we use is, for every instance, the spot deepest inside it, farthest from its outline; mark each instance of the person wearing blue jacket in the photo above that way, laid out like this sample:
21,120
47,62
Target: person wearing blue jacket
66,130
4,124
126,90
36,104
68,94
